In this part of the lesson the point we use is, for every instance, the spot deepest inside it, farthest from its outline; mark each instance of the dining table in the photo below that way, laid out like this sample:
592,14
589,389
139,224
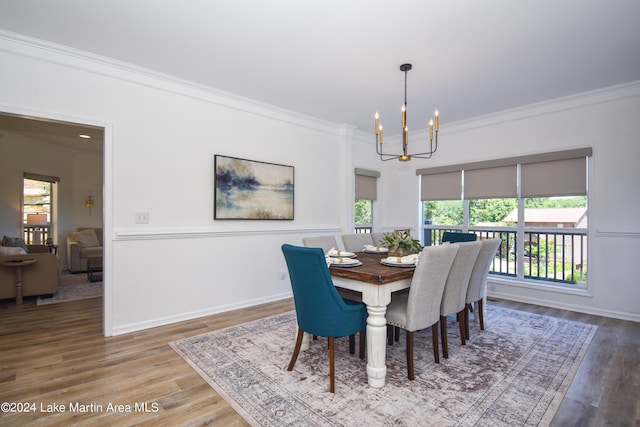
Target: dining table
376,282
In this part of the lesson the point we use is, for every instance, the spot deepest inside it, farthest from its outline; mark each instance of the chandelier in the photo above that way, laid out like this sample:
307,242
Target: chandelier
405,131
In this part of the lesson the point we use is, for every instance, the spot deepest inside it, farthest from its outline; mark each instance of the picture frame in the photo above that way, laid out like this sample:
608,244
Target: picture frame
252,190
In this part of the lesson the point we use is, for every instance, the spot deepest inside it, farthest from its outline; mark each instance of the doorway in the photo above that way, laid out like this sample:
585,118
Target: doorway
36,144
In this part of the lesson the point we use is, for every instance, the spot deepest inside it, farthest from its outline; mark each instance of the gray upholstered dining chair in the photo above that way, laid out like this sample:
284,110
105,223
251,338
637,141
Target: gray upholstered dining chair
377,237
455,290
324,242
477,282
356,242
420,307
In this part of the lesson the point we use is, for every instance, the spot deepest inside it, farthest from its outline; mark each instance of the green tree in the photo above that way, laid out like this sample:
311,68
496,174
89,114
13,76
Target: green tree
444,212
362,212
492,210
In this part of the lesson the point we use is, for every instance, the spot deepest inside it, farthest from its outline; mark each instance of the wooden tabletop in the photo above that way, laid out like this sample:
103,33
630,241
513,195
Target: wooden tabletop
17,262
371,271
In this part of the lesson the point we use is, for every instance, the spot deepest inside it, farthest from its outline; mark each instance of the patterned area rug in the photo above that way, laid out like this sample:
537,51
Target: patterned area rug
73,287
515,373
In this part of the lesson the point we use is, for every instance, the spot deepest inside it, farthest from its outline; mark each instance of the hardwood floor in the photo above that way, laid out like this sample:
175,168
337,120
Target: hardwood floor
56,354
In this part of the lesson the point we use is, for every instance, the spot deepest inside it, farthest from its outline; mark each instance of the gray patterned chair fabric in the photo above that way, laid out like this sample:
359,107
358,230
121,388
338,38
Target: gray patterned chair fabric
455,290
477,282
356,242
324,242
420,307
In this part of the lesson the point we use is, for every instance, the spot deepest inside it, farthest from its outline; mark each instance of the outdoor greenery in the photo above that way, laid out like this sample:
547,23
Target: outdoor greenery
450,212
362,212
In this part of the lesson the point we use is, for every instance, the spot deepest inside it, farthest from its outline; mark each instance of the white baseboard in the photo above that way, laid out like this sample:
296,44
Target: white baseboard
162,321
634,317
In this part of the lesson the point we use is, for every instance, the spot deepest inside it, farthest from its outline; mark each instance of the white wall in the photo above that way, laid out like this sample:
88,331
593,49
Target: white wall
606,120
160,139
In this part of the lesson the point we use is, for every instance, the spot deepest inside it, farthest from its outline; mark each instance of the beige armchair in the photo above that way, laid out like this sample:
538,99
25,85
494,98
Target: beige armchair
82,243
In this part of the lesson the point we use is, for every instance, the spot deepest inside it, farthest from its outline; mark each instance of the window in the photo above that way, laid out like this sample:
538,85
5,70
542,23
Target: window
536,204
366,190
38,209
363,215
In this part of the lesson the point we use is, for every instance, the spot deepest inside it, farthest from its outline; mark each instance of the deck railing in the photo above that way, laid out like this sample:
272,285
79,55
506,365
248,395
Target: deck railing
35,234
363,229
550,255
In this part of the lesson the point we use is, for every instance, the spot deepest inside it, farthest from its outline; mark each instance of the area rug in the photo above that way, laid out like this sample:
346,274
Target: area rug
73,287
515,373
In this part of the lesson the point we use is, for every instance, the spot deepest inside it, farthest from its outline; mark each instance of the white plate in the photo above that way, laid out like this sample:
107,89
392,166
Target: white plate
343,254
392,262
346,262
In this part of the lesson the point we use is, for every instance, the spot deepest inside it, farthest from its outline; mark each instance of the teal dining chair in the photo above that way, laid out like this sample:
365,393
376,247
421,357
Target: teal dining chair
456,237
319,308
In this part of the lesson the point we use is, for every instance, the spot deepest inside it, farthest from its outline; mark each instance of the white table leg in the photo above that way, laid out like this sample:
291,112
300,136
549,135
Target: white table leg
376,345
306,340
377,298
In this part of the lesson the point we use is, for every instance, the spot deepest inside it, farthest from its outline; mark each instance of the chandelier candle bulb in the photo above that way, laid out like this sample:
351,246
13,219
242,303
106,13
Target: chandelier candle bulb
406,136
404,115
380,134
437,114
431,129
377,125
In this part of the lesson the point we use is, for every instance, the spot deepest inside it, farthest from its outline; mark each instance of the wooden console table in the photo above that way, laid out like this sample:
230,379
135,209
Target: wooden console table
18,264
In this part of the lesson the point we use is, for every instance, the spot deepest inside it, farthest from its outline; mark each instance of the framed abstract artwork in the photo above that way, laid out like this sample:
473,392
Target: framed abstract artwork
249,189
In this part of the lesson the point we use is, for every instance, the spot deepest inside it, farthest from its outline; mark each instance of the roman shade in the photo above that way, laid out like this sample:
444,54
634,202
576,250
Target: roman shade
441,186
366,184
557,173
38,177
491,183
566,177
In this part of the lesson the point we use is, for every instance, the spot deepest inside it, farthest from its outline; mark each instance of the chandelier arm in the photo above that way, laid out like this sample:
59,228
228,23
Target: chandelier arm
429,153
381,154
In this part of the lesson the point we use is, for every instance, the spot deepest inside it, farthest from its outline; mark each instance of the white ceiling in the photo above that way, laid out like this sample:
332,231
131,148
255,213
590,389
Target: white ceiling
339,60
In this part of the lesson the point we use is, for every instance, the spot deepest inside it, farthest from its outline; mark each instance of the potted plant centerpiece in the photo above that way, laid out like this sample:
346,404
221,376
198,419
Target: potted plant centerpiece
400,243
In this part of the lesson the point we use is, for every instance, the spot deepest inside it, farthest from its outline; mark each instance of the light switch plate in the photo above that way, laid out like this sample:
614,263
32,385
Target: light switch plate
142,217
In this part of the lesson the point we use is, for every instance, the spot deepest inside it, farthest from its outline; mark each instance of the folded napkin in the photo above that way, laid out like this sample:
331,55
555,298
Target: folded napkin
333,260
407,259
336,253
371,248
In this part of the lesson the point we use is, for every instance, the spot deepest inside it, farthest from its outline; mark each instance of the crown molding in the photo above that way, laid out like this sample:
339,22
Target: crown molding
85,61
551,106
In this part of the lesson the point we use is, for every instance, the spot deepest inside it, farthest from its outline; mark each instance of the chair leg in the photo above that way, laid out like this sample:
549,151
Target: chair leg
461,324
410,355
397,333
434,338
389,335
468,308
480,313
352,344
332,386
443,337
296,350
363,342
